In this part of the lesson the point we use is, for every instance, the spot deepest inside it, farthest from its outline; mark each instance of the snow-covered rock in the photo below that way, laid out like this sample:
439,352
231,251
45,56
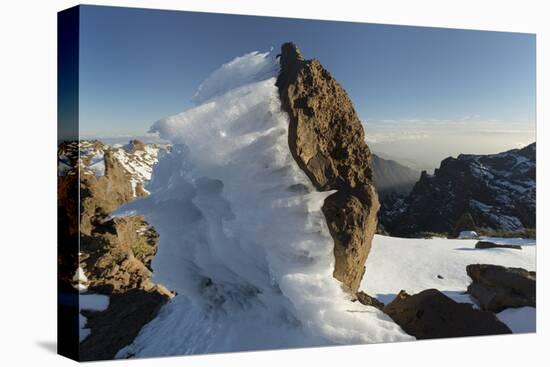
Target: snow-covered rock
494,192
89,156
242,237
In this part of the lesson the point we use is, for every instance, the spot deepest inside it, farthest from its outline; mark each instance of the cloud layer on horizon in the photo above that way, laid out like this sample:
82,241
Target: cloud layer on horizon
422,144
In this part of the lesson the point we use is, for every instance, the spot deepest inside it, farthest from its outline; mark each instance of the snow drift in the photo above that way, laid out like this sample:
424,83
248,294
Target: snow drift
242,238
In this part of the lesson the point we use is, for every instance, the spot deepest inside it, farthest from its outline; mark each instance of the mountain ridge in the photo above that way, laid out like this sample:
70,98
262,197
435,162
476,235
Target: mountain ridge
485,192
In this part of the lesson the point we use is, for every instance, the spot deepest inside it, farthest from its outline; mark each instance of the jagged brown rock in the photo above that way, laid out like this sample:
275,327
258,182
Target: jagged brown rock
100,195
367,300
327,140
497,287
118,253
431,314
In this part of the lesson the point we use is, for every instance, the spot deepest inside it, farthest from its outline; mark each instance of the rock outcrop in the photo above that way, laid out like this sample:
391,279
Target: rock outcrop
101,194
497,287
431,314
114,254
493,194
367,300
327,140
117,254
482,245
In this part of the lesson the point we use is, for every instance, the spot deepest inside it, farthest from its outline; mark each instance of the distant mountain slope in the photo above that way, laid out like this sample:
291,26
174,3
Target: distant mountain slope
390,176
495,191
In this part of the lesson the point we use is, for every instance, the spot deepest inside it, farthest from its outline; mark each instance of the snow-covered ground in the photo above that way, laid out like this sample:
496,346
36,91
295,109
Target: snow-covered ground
415,264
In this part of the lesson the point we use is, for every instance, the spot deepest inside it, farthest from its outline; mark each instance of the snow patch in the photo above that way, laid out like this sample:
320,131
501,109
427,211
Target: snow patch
519,320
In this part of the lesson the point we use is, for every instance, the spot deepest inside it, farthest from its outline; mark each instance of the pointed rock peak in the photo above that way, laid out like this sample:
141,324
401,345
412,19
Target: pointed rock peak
290,54
327,140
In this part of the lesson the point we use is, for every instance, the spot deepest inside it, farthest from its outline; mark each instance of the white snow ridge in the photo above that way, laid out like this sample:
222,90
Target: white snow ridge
242,239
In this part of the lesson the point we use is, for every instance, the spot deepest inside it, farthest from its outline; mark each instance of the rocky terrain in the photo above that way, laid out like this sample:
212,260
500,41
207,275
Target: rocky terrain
486,193
115,253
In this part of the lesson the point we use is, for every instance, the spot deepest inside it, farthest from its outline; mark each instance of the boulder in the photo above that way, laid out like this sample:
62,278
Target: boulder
327,140
497,287
488,244
431,314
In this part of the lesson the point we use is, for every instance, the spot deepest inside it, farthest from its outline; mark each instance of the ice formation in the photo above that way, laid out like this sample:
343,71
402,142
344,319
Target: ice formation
242,238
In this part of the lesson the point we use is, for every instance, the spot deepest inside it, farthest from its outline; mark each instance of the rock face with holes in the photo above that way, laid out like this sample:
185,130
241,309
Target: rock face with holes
431,314
327,140
497,287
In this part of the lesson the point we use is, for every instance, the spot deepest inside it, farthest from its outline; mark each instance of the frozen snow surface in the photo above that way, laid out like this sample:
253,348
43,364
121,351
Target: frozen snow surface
415,264
242,237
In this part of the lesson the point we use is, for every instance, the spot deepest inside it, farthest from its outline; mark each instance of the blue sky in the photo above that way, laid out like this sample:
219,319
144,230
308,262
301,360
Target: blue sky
137,66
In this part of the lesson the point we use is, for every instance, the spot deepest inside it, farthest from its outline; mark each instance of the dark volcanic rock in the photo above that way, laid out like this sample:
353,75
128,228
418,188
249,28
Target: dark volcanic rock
487,244
327,141
117,326
430,314
497,287
494,192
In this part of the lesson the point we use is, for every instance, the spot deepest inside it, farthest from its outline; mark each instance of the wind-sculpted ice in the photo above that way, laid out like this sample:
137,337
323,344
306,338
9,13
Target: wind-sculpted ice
242,238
